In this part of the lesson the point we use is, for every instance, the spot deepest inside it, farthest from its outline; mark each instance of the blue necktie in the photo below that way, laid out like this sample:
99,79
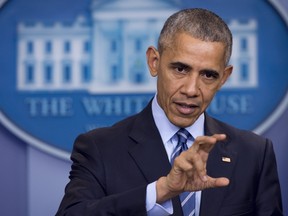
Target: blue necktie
187,198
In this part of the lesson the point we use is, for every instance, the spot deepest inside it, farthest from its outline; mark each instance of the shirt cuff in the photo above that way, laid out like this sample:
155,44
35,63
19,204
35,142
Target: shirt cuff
154,208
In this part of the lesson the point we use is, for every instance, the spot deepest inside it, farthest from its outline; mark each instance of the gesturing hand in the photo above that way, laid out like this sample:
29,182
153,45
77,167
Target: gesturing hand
188,172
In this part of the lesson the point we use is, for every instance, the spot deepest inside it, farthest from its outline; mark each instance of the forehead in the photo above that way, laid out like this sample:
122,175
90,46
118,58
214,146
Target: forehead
184,47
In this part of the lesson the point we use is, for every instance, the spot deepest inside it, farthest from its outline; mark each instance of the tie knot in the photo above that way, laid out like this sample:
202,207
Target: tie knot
183,135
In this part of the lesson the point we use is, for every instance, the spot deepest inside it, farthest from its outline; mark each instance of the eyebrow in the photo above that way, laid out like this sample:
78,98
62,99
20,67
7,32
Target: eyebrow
186,66
180,64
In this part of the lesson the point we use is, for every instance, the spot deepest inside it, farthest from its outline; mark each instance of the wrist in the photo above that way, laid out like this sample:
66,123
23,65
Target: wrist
163,192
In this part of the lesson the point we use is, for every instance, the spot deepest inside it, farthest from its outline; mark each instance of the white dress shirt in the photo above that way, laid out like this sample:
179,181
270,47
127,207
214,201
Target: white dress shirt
168,134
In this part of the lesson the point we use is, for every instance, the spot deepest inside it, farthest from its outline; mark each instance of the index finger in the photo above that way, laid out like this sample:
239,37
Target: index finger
219,137
206,143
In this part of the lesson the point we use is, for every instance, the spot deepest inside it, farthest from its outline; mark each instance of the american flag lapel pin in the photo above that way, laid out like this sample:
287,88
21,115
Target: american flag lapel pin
226,159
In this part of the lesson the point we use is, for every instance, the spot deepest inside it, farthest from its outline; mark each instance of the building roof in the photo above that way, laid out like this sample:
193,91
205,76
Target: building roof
111,5
117,9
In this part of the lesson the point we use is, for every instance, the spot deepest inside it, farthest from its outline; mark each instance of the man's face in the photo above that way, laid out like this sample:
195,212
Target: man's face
190,71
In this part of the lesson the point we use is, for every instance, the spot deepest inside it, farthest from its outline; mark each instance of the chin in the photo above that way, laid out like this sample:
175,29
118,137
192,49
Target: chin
183,123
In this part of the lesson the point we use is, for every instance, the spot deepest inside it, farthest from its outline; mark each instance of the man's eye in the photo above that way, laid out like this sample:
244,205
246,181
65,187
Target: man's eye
211,75
181,69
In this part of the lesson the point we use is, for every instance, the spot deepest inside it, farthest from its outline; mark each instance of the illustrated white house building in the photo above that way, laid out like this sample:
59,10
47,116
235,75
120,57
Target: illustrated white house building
104,51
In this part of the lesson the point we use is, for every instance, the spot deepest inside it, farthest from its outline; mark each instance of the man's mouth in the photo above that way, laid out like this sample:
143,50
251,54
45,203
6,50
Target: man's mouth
186,109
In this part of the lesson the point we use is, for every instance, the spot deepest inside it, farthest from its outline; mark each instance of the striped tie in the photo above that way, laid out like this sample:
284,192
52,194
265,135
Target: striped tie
187,198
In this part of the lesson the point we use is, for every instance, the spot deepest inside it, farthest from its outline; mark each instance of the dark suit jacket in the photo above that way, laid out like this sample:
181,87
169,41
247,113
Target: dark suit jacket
112,167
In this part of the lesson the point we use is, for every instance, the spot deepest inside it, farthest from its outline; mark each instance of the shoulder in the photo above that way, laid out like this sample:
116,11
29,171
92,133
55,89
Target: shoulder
243,140
120,128
102,143
213,125
121,131
125,126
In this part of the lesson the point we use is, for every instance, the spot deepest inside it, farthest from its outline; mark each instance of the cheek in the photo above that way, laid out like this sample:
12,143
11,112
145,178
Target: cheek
165,96
165,92
208,93
166,85
162,92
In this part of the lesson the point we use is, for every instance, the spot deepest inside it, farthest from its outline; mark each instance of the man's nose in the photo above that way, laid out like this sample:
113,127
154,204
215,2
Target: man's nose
191,86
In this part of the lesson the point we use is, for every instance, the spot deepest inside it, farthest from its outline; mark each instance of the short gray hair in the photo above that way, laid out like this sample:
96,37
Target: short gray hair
199,23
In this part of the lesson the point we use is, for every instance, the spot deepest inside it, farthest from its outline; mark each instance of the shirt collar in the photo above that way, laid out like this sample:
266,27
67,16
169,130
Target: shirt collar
167,130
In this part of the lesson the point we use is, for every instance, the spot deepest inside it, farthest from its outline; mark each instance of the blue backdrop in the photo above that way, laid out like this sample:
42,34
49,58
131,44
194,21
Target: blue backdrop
33,175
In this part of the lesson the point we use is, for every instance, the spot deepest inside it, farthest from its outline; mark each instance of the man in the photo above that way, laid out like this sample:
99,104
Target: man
140,166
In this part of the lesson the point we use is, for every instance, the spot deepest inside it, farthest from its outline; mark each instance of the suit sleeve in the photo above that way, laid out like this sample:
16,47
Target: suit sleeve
86,192
269,194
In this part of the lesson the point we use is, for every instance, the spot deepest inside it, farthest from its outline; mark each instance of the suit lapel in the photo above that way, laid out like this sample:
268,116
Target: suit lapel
221,163
149,152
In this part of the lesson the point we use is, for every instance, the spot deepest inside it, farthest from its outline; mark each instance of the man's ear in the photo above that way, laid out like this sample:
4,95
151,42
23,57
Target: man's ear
152,57
227,72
